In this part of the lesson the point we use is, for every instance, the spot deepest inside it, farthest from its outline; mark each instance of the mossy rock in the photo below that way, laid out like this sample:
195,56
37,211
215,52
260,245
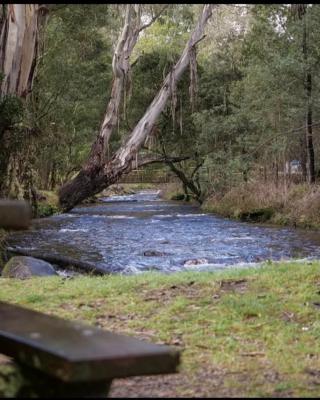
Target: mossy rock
257,215
22,267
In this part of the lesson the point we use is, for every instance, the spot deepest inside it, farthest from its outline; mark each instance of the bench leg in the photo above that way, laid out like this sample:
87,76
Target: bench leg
33,383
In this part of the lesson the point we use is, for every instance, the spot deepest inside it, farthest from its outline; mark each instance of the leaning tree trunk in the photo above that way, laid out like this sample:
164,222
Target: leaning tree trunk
121,78
121,81
90,181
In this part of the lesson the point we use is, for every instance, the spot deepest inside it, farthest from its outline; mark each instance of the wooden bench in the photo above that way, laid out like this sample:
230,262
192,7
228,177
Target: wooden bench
60,358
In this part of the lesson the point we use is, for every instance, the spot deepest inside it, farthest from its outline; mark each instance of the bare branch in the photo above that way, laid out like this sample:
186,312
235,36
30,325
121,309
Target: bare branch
154,18
164,159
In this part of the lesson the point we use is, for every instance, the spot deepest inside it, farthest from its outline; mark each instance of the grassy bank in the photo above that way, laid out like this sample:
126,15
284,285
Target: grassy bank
297,205
243,333
48,203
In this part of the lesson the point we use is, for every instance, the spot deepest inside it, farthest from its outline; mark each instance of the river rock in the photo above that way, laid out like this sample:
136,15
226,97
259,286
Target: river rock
196,261
153,253
23,267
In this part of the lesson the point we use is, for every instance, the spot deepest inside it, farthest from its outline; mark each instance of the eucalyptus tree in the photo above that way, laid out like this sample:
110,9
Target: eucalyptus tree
99,173
301,11
70,89
20,30
255,98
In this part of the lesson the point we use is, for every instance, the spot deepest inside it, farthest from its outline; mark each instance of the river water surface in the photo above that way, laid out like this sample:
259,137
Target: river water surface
135,233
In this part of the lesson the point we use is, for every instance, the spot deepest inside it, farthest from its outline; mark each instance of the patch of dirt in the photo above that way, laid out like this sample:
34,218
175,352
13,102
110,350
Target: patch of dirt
203,384
232,285
288,316
208,382
314,376
189,290
280,394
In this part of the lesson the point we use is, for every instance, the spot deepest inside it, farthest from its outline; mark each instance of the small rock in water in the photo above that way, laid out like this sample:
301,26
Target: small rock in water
196,261
152,268
23,267
153,253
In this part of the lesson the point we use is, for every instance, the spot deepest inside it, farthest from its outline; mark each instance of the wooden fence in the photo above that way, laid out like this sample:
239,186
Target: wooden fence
148,176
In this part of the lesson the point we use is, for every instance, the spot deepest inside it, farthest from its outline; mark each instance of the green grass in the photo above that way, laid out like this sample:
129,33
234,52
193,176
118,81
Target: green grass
257,329
49,205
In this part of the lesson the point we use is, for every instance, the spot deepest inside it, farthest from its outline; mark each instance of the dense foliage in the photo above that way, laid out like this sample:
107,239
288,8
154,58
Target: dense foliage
255,94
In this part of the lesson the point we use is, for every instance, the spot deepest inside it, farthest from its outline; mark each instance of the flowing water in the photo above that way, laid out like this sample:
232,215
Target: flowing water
135,233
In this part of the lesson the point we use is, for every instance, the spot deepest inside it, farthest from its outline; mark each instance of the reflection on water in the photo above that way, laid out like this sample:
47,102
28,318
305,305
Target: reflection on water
118,231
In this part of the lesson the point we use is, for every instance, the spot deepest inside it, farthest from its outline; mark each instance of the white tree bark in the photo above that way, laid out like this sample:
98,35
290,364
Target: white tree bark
145,125
96,176
121,75
19,47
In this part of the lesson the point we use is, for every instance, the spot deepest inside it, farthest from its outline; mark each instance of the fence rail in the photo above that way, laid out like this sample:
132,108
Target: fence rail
145,176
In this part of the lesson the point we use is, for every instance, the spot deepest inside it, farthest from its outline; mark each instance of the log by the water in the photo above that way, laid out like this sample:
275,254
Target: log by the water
62,261
14,214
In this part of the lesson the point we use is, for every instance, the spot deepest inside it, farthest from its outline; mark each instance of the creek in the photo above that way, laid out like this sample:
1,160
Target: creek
139,232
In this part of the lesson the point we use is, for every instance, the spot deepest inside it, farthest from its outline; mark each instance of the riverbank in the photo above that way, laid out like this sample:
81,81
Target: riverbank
297,205
244,333
48,201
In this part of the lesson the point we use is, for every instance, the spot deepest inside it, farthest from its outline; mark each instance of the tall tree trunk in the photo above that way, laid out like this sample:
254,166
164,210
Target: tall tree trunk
310,165
95,176
121,77
309,135
19,46
303,156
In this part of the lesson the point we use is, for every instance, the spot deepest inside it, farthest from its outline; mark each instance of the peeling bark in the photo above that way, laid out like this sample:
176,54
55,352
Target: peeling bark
20,25
121,84
19,47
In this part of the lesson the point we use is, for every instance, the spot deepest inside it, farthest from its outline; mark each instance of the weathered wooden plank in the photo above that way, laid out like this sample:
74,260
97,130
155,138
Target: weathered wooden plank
74,352
14,214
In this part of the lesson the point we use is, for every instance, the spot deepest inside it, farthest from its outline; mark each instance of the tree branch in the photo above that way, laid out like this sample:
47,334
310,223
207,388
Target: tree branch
154,18
164,159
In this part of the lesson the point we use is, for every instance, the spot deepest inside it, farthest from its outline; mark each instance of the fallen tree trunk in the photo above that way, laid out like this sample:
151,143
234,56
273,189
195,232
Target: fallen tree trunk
94,178
62,261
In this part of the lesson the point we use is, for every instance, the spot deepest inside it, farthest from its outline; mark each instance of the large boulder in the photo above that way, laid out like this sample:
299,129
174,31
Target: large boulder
22,267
